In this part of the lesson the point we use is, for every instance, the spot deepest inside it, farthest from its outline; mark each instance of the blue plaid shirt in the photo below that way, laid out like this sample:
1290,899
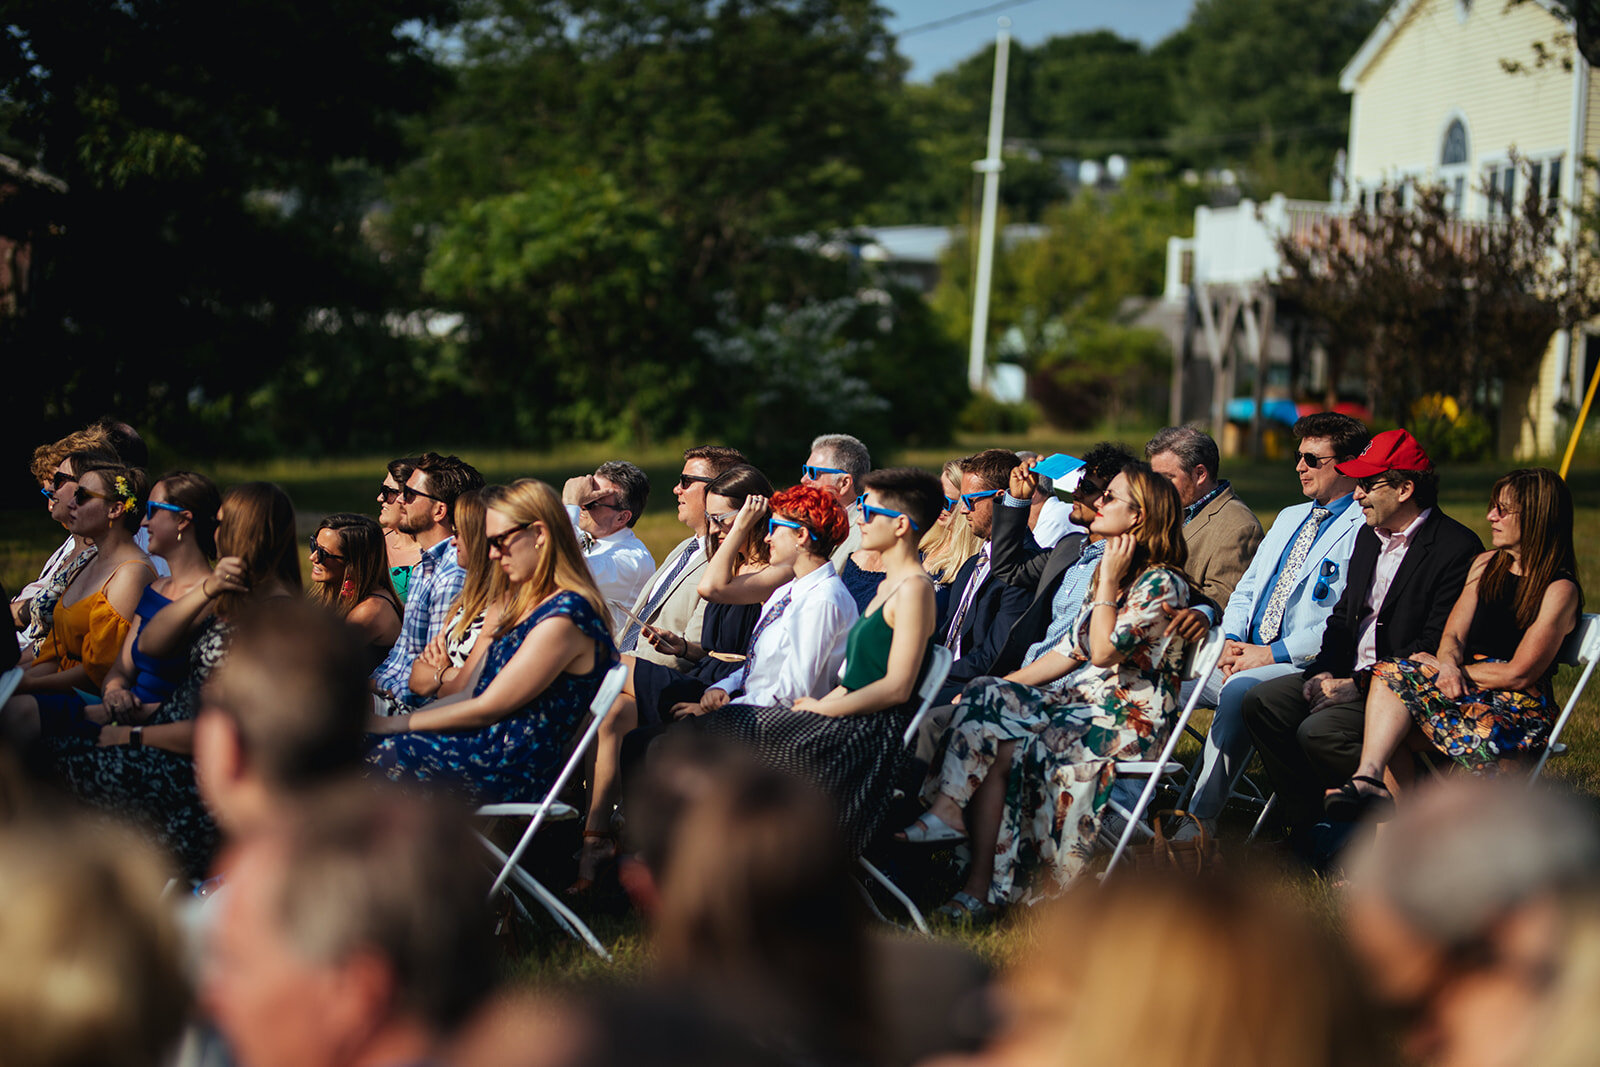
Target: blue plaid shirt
435,583
1068,600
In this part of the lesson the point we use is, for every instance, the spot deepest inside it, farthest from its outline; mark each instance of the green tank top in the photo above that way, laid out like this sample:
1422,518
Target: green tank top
867,650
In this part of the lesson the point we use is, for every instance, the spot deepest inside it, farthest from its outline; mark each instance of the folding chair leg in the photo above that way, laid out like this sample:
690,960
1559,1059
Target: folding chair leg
562,914
1266,809
899,894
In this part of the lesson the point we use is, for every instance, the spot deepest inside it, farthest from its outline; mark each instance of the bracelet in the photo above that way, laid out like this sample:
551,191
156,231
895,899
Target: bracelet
1098,603
203,592
438,679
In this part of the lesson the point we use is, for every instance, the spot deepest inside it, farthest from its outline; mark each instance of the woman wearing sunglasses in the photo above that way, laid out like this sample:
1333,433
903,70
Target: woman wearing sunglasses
1029,769
51,471
181,520
350,577
550,649
402,548
146,771
952,541
96,610
848,740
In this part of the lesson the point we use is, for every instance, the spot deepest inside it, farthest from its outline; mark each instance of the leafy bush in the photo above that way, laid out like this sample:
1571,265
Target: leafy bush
986,415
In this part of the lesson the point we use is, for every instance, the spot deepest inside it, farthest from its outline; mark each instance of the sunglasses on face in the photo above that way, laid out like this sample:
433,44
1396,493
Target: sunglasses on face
1374,483
599,505
813,473
775,522
388,494
154,506
59,479
320,554
48,494
872,511
970,501
409,494
498,541
82,495
725,519
951,502
1325,573
1114,498
686,480
1310,460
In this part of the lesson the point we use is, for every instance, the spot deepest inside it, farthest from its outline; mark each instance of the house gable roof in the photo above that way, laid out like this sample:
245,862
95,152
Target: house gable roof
1391,23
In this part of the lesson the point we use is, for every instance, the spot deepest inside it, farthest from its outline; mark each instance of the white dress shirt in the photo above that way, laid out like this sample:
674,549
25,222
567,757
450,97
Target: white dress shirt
800,653
1054,523
620,563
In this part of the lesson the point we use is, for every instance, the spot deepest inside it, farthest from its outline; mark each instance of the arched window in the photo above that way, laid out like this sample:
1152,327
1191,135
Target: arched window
1453,164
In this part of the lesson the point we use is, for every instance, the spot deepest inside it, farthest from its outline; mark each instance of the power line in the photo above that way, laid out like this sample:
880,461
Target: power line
951,20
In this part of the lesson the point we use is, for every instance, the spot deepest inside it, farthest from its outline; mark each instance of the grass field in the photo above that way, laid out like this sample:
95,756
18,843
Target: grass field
350,484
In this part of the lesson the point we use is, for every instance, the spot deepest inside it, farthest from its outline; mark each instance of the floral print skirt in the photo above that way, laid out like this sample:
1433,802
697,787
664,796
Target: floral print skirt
1483,727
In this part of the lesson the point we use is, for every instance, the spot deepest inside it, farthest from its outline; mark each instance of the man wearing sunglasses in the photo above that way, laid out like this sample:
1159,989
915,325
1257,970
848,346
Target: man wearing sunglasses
426,506
670,601
603,507
1407,567
837,463
1275,617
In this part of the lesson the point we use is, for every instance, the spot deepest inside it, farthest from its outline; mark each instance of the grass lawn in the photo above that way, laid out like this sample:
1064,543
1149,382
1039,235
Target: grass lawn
322,486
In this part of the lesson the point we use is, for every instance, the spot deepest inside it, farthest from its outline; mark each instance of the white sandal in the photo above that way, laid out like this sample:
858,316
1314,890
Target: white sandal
930,830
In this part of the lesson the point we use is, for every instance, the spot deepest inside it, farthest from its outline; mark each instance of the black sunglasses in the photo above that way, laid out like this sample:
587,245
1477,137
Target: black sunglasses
388,493
686,480
600,505
320,554
1310,460
409,494
60,478
498,541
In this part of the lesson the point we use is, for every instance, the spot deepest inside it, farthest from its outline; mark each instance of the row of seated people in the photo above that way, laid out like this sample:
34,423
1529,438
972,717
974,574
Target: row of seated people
1069,655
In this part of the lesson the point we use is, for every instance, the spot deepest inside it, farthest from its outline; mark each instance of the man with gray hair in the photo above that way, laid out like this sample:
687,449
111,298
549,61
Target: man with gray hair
1458,908
603,507
356,933
1220,531
837,463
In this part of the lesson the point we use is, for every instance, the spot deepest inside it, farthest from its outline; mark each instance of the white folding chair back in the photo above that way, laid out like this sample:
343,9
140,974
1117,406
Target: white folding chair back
940,660
1201,664
1581,649
550,808
9,682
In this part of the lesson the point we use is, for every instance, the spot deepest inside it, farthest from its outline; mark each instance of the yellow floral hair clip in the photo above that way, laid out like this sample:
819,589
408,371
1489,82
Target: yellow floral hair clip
125,491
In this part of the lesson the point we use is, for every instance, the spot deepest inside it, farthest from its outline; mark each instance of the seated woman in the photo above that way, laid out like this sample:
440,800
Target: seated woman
451,661
848,741
401,548
1113,687
1484,699
951,542
146,771
350,576
32,607
181,520
740,563
552,647
97,609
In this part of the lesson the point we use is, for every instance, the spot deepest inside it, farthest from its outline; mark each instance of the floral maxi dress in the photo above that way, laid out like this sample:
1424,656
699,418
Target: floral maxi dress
1069,739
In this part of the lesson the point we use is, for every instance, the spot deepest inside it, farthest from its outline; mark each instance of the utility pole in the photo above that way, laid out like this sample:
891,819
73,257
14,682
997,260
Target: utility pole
990,167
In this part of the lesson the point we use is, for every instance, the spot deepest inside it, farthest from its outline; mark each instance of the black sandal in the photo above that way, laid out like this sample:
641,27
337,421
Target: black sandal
1349,804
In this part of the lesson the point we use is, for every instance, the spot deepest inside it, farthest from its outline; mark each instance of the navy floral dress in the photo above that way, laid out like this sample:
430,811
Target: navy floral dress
517,758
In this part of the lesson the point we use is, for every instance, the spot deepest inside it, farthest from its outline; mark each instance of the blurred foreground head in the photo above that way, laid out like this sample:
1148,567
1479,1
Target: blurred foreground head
355,930
1460,910
91,976
1163,971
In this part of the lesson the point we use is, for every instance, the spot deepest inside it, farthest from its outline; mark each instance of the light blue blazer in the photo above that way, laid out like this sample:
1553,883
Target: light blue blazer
1316,589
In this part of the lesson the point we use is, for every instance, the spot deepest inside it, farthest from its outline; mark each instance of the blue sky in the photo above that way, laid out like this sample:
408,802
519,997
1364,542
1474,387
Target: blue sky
931,51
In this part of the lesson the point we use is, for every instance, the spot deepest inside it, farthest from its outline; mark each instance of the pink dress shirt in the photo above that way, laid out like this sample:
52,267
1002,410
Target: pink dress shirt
1390,555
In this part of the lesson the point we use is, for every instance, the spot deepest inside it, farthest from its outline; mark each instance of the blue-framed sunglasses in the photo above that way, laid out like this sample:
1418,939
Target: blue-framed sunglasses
48,494
871,511
813,473
154,506
970,500
1328,570
774,522
951,503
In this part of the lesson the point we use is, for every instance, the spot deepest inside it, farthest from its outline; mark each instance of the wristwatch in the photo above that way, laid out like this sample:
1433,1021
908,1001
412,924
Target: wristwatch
136,737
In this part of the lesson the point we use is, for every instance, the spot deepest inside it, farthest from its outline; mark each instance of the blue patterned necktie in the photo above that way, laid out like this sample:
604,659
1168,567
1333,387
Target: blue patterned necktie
630,636
1272,619
755,635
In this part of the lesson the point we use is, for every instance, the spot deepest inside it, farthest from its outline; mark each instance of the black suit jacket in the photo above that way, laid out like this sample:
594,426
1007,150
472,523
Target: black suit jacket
984,629
1019,562
1412,616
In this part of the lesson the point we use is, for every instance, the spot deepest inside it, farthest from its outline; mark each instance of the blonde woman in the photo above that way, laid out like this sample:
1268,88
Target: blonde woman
951,542
552,646
449,663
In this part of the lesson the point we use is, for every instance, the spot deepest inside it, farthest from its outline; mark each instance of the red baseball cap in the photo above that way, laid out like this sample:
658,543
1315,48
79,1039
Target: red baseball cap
1391,450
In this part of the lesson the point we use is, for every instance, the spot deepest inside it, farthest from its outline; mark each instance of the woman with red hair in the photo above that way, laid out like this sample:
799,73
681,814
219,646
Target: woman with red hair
843,737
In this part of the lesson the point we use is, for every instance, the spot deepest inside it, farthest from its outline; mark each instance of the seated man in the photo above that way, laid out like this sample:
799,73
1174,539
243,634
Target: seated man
1221,533
1407,567
603,507
1049,517
837,463
1277,611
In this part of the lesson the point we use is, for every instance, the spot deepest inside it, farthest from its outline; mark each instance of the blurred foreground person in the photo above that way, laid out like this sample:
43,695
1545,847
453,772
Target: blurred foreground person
1458,913
355,932
1160,972
92,975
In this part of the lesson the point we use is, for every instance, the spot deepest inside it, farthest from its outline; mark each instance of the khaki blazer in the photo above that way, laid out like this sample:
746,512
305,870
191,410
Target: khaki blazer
682,612
1222,539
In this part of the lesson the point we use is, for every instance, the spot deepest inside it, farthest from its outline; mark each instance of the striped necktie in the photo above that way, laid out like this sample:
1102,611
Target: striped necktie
630,636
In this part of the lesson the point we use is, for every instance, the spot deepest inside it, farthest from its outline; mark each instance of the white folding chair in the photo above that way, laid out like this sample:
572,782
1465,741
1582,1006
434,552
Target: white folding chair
1202,663
939,662
1580,649
9,682
548,809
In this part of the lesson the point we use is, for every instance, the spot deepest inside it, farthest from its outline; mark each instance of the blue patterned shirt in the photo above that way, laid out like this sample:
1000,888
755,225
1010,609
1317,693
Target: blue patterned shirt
436,581
1067,602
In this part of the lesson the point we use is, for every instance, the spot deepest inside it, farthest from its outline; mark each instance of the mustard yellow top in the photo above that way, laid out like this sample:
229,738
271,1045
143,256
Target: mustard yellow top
88,632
